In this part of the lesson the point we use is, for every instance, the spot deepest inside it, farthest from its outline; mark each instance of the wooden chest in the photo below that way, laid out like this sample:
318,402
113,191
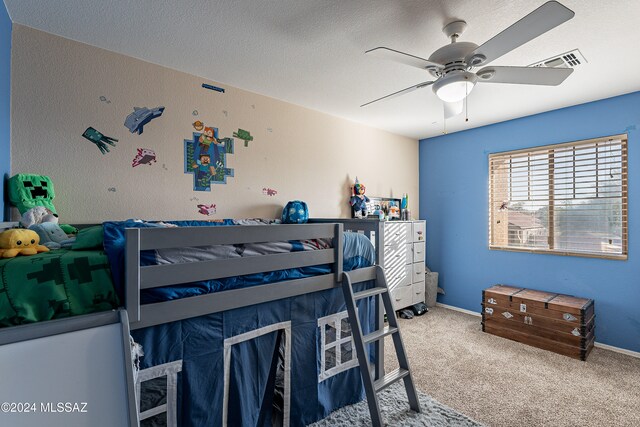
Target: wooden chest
560,323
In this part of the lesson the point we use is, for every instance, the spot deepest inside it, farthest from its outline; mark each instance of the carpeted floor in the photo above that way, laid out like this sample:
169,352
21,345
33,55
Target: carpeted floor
500,382
395,411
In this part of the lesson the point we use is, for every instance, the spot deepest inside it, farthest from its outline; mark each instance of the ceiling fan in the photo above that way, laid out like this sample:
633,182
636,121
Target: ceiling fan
452,64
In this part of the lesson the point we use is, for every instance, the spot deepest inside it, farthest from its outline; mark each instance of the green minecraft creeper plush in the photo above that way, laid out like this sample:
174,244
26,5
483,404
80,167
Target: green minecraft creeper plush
28,191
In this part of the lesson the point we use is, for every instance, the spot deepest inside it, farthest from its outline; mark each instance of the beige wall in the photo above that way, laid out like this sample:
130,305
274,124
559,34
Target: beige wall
56,89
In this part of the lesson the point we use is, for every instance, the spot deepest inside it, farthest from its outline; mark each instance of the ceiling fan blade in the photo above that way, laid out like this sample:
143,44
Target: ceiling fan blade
400,92
403,58
452,109
546,17
524,75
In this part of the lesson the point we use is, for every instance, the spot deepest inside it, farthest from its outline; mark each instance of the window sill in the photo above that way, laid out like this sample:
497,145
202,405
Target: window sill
617,257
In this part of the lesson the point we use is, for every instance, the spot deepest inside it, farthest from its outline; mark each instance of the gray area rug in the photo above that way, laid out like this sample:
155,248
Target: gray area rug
396,412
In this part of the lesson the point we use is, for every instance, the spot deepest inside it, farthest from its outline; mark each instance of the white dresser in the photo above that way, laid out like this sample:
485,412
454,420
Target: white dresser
403,257
403,261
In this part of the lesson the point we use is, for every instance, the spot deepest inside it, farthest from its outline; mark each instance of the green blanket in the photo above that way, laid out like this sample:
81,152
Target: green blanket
54,284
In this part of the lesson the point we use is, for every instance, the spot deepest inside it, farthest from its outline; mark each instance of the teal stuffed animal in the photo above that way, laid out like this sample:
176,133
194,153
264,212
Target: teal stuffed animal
52,236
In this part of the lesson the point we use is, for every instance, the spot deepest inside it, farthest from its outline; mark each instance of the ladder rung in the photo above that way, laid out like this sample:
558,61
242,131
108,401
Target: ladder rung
390,378
369,293
379,334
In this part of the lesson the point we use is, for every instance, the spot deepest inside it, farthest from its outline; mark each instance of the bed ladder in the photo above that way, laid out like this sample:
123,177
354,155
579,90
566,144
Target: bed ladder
362,341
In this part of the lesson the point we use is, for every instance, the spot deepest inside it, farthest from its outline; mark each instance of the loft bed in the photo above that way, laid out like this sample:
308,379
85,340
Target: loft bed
270,349
139,278
300,324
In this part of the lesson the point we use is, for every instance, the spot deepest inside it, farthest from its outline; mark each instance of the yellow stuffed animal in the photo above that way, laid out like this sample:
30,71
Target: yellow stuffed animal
19,241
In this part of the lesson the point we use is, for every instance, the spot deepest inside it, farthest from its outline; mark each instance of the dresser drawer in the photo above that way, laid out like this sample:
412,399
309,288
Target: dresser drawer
418,272
397,233
418,292
418,234
402,297
418,252
400,276
397,255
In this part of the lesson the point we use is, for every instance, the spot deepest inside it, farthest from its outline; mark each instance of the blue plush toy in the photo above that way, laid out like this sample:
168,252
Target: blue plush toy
52,236
295,212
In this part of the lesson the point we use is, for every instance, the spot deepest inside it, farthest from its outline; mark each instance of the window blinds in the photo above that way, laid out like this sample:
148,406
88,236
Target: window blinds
568,198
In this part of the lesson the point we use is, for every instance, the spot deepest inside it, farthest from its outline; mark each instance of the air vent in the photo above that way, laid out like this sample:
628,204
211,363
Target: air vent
571,59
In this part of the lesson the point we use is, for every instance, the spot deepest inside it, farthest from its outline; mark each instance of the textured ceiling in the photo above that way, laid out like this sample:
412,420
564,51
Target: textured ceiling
311,53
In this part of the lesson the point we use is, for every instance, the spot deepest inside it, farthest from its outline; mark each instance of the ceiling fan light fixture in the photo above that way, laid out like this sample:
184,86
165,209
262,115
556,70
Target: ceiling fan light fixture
455,86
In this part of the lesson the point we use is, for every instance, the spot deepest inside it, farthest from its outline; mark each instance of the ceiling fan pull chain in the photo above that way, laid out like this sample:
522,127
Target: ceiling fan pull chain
444,122
466,105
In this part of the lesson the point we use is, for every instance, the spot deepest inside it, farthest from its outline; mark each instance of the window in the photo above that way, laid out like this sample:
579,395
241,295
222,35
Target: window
337,350
568,199
157,394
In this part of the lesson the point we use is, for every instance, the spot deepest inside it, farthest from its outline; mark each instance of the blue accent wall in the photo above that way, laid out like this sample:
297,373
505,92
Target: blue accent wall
5,101
454,202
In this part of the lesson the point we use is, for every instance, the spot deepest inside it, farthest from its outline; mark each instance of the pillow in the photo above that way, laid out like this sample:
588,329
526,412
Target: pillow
89,238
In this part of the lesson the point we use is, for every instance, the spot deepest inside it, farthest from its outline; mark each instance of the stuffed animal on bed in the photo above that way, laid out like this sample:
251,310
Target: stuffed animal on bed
20,242
27,191
52,236
295,212
38,215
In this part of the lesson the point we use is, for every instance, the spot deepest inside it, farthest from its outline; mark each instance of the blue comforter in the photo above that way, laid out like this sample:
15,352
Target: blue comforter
358,252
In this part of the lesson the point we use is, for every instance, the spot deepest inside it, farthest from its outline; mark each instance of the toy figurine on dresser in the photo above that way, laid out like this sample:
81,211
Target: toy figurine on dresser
358,200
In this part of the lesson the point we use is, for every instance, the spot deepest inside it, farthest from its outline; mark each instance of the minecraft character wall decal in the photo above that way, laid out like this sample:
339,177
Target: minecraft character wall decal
206,139
205,156
144,156
207,210
99,139
244,135
141,116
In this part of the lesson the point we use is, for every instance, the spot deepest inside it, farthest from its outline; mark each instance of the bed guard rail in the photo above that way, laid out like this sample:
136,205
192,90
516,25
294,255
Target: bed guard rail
138,278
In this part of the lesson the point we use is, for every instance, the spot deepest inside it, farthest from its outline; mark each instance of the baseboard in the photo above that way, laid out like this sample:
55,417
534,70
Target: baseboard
618,350
597,344
461,310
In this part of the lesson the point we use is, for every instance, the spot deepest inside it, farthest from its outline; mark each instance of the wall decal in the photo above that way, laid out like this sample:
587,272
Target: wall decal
205,156
164,166
99,139
270,130
198,125
226,113
194,198
141,116
207,209
104,99
145,156
195,112
211,87
111,189
253,106
269,192
244,135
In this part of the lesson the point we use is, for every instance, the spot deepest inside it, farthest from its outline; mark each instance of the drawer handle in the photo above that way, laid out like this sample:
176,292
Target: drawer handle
418,252
419,272
398,233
